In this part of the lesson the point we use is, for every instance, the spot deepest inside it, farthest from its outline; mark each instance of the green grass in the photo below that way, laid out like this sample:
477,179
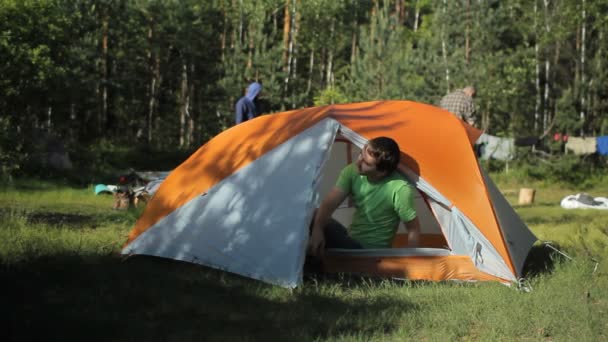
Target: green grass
63,280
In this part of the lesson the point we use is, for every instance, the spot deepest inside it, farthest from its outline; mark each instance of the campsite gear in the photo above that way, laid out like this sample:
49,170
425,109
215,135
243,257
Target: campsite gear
102,188
123,199
602,145
581,146
526,196
584,201
126,197
244,201
149,176
132,191
131,179
526,141
105,189
496,148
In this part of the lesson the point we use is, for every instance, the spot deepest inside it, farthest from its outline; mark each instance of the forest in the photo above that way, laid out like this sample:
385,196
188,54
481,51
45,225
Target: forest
165,74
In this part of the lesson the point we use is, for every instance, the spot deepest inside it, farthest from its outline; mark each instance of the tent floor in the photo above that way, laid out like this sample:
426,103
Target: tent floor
411,263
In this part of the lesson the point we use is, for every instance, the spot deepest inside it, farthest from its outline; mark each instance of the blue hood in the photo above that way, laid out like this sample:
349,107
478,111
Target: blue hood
253,90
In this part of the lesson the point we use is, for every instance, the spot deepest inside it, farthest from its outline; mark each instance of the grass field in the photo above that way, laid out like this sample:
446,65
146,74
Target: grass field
62,280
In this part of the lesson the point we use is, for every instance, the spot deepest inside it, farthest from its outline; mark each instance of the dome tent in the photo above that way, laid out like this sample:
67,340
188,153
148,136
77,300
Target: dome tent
244,201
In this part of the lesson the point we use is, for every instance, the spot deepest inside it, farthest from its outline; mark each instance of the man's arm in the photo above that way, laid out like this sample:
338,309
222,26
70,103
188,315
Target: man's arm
413,232
322,217
239,112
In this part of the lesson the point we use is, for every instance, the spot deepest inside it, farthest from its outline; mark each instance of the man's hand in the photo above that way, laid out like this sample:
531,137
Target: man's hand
316,246
413,233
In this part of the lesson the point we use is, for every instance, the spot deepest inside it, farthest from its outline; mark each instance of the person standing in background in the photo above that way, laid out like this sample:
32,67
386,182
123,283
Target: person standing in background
460,103
245,107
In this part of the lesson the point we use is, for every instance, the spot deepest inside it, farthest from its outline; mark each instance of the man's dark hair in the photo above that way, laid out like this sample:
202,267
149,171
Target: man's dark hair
386,152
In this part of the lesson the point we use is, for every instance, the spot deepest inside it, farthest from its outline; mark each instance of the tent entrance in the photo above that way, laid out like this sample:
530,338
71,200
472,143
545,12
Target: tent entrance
343,152
443,225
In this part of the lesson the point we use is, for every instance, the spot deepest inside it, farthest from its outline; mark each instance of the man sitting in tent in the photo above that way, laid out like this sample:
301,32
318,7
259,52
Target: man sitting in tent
382,198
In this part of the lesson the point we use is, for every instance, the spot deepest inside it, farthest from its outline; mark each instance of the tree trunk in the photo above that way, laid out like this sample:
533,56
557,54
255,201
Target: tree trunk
159,82
400,11
49,121
154,69
467,35
250,47
444,51
416,17
233,31
183,106
289,34
583,80
294,39
311,65
547,70
286,30
223,36
241,21
595,107
577,62
190,128
330,55
485,117
552,82
537,70
151,102
322,67
353,40
103,92
546,95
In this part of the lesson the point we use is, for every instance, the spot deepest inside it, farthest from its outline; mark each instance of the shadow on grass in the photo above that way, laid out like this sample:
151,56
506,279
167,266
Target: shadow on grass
34,184
536,205
60,219
541,260
75,297
53,219
73,221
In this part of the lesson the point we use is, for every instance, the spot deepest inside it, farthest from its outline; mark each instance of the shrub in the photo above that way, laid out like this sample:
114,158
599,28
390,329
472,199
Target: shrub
11,150
581,171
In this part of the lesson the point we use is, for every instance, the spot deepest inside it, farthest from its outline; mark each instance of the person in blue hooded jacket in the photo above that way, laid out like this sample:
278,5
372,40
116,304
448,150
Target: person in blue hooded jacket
245,107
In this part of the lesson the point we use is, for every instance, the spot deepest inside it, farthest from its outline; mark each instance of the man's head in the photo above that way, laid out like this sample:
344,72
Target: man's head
379,158
470,90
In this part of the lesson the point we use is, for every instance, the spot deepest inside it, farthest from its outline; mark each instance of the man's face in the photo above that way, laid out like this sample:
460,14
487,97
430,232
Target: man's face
366,163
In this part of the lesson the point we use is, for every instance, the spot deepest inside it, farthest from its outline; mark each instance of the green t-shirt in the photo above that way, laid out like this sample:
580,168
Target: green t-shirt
379,206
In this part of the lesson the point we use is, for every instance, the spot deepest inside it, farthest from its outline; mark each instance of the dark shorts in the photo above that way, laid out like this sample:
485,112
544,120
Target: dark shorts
336,236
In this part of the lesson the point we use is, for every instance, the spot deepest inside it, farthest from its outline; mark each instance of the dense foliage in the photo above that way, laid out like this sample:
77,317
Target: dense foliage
166,73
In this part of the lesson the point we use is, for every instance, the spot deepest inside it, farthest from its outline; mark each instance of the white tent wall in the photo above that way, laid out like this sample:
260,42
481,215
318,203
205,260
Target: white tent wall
466,239
246,224
519,239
